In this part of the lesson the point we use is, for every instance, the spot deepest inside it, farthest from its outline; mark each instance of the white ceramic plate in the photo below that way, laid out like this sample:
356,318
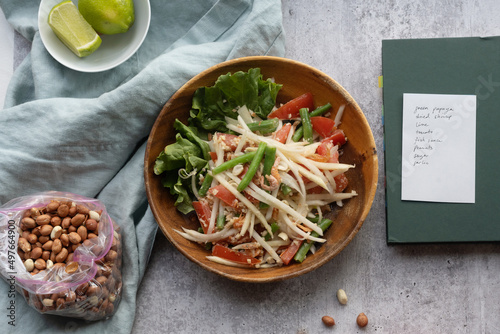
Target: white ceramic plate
114,49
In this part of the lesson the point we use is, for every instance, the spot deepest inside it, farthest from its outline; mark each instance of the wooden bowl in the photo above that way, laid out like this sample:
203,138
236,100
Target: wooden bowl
297,78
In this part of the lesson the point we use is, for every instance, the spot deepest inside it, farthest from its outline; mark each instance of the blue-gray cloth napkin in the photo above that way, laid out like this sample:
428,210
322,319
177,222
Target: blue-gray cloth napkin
86,132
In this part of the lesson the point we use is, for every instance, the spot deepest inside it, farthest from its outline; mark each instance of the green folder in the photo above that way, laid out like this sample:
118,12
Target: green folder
469,66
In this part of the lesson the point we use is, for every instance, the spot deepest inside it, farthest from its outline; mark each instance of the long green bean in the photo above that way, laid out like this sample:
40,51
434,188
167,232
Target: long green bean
274,228
265,126
221,221
306,245
285,189
299,130
254,165
233,162
269,159
306,124
205,185
321,110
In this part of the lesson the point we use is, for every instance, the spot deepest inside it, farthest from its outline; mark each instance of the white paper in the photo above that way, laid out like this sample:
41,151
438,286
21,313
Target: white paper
6,56
439,148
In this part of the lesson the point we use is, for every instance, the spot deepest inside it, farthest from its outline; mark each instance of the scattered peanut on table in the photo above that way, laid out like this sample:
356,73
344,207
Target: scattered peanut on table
328,321
362,320
342,296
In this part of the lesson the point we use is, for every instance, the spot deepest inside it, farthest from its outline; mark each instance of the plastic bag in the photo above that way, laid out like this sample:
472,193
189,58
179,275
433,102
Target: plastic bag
63,252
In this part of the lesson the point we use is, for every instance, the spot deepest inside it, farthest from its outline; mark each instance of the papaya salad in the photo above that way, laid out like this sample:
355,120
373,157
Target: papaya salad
259,177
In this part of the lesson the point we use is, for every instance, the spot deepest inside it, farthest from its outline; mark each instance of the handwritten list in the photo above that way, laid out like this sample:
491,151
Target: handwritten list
439,146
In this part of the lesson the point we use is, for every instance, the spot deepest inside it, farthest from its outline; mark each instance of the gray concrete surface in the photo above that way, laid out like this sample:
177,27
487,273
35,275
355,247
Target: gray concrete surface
446,288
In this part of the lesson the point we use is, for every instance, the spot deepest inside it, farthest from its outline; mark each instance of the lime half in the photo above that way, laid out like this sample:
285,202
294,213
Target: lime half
72,29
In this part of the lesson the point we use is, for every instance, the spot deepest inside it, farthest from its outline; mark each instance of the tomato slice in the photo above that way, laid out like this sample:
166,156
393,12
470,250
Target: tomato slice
323,126
213,156
203,212
341,183
224,195
316,190
231,255
291,108
229,140
282,134
325,149
290,252
337,138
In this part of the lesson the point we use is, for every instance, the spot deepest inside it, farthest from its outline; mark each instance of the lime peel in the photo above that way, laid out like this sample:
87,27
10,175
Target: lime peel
108,17
73,30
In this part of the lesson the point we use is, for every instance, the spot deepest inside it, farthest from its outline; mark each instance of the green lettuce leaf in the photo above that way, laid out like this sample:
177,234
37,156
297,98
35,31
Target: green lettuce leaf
231,91
174,155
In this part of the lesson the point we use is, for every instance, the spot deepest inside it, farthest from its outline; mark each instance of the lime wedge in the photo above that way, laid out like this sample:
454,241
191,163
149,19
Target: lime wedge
72,29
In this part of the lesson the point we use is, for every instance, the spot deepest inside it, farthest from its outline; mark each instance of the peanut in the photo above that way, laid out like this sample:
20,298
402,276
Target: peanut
56,232
71,267
32,238
64,240
82,209
24,245
56,246
47,302
46,255
94,215
34,212
77,220
66,222
60,303
111,256
36,253
27,223
52,206
362,320
43,238
46,229
40,264
29,265
74,238
48,245
101,280
93,290
63,210
62,255
82,232
72,211
328,321
43,219
91,224
341,296
82,288
55,221
36,231
71,296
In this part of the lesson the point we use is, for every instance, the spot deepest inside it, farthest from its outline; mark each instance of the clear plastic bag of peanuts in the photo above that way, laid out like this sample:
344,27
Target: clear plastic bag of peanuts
63,253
